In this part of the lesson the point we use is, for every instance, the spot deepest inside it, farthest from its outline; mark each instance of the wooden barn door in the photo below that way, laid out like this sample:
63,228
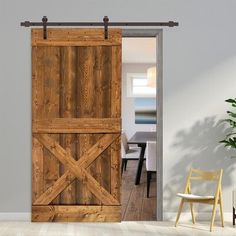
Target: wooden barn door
76,125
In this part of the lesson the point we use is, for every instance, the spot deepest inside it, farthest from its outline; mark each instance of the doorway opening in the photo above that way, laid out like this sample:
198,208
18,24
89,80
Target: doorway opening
142,194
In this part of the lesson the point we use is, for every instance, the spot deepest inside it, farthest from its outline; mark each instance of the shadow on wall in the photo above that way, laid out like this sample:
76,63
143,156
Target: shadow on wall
199,147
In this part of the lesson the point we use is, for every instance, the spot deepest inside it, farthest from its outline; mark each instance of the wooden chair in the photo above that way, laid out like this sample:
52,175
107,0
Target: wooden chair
187,197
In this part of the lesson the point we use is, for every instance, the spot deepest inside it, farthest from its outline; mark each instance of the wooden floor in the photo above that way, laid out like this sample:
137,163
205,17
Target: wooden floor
114,229
135,205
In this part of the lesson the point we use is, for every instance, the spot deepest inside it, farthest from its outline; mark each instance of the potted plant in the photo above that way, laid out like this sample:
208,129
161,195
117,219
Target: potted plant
230,139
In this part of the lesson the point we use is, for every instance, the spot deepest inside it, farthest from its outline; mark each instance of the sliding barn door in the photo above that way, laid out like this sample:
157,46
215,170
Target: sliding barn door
76,125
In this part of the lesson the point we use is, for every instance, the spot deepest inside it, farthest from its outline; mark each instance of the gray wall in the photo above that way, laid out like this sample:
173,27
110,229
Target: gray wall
128,111
199,73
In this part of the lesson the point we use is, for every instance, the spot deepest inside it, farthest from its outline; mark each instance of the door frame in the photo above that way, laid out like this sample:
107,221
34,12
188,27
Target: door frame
158,34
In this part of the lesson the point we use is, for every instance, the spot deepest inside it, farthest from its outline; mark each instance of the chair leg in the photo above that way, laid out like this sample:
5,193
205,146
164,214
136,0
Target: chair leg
234,216
122,166
192,213
149,176
221,212
126,161
179,212
213,216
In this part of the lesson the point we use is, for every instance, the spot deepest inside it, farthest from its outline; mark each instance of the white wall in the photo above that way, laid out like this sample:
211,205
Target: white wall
128,109
199,73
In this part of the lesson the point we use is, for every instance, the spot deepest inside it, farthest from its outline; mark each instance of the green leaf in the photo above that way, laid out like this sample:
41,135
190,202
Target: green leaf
231,114
227,144
228,135
230,100
232,142
231,122
223,141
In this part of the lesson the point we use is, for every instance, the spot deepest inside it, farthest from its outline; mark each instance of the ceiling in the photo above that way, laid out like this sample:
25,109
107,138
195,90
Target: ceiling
139,50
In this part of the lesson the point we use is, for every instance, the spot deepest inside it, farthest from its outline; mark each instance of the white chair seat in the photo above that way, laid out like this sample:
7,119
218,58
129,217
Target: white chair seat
193,196
132,153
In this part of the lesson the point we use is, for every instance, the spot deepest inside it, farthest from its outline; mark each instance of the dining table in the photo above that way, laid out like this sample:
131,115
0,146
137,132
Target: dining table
140,138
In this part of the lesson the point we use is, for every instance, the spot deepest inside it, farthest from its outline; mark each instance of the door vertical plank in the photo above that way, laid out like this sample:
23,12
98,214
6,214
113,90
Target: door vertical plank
68,110
116,82
85,109
104,110
37,148
50,74
116,113
95,167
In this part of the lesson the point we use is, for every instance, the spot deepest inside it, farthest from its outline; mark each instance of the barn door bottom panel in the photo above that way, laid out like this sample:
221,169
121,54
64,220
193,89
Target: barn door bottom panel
75,213
79,169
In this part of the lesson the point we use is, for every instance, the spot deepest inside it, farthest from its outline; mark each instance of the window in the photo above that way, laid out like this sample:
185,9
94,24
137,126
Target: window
137,86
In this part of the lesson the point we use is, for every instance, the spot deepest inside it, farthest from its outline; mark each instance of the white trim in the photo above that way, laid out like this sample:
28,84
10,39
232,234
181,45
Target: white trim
200,216
168,216
15,216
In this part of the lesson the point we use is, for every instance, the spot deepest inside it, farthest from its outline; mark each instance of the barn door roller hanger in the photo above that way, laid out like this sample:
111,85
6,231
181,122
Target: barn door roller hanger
105,24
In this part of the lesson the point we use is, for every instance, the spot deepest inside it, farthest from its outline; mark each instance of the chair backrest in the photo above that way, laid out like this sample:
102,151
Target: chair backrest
151,156
124,141
196,174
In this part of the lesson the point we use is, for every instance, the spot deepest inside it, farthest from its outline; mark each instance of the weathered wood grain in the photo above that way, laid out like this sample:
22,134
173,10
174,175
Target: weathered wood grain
75,213
68,111
105,103
64,157
84,161
76,37
76,118
86,97
37,148
51,76
115,113
46,103
77,125
37,166
52,192
116,82
88,43
115,173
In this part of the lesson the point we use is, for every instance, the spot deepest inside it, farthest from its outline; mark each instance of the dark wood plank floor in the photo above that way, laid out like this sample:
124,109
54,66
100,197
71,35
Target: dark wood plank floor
135,204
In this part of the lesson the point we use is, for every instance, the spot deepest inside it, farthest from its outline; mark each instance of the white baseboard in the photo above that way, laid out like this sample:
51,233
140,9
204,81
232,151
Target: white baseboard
15,216
200,216
168,216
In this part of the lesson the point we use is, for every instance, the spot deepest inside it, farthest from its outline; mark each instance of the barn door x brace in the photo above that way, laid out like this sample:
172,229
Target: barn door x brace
45,23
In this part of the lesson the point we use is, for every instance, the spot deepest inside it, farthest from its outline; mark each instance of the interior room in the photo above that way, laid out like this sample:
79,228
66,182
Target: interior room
91,91
138,115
